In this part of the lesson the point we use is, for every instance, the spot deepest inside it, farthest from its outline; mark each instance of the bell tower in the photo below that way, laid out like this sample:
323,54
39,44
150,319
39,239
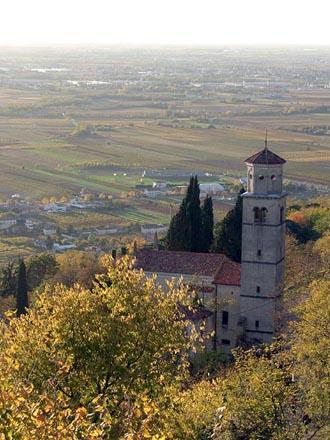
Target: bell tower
263,240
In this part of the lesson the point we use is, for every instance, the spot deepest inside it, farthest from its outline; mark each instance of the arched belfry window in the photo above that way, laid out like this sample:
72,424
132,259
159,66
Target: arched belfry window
263,214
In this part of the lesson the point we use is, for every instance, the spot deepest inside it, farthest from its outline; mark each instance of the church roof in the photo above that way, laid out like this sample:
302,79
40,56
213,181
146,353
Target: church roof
217,266
229,273
265,157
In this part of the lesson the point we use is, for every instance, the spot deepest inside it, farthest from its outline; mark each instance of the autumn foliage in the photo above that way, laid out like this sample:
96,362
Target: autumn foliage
100,363
108,357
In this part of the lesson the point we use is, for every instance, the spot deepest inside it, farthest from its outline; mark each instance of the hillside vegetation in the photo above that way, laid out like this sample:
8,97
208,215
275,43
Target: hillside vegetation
109,359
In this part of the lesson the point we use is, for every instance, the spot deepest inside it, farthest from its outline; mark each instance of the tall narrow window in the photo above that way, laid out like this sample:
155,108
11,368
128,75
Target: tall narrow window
282,214
224,319
263,214
249,183
257,214
259,253
257,324
258,289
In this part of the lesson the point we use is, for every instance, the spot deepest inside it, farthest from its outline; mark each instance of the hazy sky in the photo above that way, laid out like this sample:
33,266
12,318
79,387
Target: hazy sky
165,21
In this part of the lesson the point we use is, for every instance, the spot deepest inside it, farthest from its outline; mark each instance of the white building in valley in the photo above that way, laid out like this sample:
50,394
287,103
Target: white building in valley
211,188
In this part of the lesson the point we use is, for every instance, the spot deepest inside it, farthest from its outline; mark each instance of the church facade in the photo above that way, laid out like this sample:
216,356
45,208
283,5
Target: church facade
241,300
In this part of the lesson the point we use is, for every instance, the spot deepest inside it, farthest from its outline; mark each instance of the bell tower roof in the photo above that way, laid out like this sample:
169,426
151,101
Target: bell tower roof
265,157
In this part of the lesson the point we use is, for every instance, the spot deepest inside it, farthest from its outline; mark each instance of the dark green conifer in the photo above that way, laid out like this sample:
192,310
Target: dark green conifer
22,301
207,224
194,215
228,232
186,231
190,191
178,235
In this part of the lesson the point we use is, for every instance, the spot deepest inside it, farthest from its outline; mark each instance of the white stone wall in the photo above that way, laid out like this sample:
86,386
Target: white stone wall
265,179
263,252
228,299
260,314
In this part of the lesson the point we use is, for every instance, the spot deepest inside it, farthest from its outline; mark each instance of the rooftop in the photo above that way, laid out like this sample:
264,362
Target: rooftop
265,157
153,226
217,266
228,274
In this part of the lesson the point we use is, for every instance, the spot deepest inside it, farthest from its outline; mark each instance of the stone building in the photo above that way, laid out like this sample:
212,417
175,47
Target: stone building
263,240
242,298
215,279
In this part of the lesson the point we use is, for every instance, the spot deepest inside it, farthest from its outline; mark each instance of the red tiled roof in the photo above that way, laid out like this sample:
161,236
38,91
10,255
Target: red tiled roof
229,273
217,266
177,262
266,157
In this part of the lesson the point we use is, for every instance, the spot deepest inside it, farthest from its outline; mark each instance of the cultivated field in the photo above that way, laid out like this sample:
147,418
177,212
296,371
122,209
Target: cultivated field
110,120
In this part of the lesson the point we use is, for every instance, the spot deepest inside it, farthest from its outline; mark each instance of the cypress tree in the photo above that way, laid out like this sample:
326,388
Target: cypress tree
190,191
207,224
186,230
194,215
22,301
228,232
178,235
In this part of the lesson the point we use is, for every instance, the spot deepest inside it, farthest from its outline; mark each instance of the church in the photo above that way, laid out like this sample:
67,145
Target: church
240,300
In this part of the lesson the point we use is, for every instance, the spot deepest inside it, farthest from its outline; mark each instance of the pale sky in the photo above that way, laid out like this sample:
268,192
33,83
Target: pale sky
218,22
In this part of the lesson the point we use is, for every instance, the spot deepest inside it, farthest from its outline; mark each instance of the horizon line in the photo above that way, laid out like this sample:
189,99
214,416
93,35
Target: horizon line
156,45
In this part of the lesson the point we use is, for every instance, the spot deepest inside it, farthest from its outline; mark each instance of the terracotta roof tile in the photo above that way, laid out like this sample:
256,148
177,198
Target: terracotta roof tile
266,157
228,274
190,263
217,266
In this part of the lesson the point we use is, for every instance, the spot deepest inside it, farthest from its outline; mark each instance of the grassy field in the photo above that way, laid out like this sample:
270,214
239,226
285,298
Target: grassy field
150,112
102,119
42,170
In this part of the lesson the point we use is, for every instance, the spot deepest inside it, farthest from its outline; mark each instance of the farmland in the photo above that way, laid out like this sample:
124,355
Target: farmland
112,120
193,109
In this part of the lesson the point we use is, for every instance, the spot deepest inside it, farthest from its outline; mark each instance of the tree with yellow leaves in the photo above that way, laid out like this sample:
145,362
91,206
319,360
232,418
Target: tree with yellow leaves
77,267
112,356
311,352
322,247
282,392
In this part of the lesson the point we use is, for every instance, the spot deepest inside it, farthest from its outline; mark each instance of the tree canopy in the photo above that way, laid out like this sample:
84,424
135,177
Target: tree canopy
178,237
22,300
277,392
207,224
109,359
117,352
228,232
191,228
40,268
